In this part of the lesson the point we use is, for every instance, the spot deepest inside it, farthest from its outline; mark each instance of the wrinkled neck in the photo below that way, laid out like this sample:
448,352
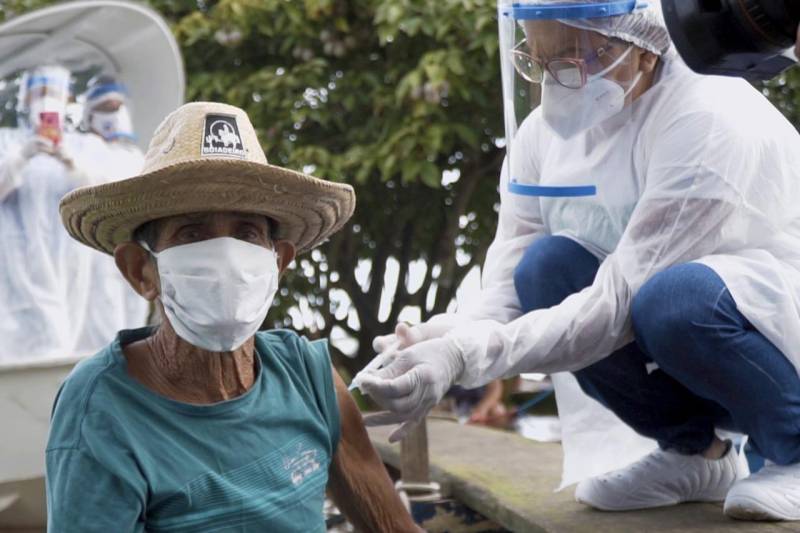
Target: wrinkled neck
179,370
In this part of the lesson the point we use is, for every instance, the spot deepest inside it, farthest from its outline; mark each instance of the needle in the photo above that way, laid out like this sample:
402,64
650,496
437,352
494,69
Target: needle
376,363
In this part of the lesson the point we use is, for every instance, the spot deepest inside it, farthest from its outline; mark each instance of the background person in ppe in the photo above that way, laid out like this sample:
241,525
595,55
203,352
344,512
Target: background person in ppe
108,146
653,251
42,285
43,90
107,109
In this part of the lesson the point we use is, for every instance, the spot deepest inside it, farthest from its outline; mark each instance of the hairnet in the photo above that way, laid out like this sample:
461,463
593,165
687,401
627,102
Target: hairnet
644,27
104,87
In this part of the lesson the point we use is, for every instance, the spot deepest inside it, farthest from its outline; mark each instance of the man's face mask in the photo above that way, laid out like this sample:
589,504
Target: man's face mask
216,293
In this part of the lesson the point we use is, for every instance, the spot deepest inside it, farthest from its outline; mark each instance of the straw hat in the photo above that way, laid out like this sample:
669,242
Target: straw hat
205,157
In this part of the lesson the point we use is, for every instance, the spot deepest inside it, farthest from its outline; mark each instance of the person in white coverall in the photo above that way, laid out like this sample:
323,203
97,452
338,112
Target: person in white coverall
112,304
649,243
56,296
36,170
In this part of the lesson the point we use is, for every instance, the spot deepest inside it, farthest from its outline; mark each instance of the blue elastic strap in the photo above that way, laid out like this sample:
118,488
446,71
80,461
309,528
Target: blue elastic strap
39,80
539,398
574,11
105,89
570,191
129,136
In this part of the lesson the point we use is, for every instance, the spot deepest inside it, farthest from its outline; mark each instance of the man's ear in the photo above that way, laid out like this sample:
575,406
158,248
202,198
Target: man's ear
137,266
286,252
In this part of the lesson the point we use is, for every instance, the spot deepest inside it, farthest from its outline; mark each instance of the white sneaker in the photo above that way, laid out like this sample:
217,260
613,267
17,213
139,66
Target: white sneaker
772,493
663,478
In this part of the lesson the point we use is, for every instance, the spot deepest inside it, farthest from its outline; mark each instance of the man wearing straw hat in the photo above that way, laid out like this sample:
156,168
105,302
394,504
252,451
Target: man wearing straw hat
205,422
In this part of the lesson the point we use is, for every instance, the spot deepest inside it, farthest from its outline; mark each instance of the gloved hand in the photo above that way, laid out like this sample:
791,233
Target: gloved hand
42,145
37,145
406,335
61,155
414,381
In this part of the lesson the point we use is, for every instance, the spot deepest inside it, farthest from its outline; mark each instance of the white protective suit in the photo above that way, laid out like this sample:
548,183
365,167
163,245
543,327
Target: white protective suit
57,297
705,170
112,304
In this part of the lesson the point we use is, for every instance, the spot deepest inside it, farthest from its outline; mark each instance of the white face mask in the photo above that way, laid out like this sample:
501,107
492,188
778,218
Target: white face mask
112,124
570,111
216,293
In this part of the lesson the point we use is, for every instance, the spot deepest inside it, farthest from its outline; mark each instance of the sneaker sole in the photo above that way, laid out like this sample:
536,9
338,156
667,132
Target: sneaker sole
742,508
621,509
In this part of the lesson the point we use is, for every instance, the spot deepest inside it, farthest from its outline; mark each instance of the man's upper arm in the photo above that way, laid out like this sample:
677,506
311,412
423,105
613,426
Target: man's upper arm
359,483
84,496
351,424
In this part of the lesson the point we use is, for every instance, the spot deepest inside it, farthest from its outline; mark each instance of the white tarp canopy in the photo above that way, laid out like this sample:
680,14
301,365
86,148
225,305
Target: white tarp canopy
126,39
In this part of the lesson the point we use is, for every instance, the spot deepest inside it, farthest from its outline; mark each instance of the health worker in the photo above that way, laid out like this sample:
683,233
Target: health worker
649,244
108,146
43,287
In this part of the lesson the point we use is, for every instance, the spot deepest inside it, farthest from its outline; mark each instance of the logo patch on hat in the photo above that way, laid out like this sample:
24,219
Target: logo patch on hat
221,137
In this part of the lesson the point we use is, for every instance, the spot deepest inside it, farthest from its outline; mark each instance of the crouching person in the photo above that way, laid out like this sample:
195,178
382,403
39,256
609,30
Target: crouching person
205,423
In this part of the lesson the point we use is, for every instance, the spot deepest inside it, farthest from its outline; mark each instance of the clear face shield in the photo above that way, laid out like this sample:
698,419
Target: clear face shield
562,73
107,112
43,97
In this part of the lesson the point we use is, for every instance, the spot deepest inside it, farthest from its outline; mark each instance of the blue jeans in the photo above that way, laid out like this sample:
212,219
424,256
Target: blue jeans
714,368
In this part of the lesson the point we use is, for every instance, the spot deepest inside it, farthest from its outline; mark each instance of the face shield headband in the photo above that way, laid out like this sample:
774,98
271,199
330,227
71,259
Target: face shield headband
42,90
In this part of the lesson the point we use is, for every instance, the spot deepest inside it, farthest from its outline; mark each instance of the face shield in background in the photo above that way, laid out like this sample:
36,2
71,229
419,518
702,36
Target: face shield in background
573,64
42,101
107,109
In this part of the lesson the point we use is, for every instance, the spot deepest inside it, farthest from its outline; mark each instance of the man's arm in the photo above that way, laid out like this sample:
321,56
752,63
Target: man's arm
83,496
12,165
359,483
490,409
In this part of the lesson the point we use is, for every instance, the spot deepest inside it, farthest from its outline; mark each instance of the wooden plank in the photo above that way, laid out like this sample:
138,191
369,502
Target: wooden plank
414,465
511,480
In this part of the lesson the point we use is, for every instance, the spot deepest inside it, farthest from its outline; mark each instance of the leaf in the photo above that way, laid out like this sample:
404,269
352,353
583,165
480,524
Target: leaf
431,175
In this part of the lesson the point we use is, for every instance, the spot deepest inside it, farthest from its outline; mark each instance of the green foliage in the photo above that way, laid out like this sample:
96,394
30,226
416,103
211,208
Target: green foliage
784,92
9,8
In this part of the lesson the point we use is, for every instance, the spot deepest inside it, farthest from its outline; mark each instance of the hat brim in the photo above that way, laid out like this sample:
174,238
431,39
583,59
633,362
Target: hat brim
308,210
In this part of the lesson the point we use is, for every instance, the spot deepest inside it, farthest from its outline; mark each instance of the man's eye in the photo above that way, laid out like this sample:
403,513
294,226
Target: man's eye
249,235
190,235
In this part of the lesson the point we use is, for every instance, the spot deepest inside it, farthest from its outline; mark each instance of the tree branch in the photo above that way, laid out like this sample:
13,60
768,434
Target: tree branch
401,296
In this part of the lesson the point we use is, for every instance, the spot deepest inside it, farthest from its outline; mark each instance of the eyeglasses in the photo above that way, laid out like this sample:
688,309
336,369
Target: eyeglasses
568,72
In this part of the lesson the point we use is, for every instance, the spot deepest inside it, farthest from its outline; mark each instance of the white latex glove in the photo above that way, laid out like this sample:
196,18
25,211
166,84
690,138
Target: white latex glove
37,145
61,155
406,335
11,167
415,380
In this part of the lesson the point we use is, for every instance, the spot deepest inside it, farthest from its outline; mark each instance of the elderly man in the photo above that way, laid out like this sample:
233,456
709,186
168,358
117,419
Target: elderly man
206,423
